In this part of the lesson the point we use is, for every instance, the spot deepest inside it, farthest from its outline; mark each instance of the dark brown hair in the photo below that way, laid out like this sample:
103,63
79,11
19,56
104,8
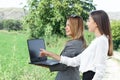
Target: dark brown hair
103,23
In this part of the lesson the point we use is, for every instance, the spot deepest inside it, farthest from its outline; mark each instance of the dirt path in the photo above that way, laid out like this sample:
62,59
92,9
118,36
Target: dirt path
113,68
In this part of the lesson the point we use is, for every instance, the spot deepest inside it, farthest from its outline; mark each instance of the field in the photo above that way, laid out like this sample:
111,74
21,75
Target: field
14,57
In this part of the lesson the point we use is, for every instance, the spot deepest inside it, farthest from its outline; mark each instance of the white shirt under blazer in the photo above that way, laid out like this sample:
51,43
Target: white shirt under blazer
92,58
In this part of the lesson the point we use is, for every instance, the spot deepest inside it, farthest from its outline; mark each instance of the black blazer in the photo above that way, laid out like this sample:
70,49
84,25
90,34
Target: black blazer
71,49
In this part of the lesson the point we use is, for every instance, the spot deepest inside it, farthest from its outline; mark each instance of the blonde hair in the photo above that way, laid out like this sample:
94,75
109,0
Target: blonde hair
77,28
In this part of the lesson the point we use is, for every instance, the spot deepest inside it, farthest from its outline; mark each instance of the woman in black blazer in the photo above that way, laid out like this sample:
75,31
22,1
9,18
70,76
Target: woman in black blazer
74,29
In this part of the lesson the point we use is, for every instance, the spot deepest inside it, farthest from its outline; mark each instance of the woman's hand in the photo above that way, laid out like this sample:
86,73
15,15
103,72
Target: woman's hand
43,53
46,53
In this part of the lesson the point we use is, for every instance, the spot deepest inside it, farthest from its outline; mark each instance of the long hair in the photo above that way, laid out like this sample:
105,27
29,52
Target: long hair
77,28
102,20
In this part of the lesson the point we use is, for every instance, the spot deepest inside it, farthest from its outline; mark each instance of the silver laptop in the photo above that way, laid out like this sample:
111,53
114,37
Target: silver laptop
34,46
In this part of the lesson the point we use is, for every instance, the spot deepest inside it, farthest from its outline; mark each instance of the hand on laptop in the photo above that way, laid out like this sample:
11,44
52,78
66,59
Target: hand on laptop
43,52
50,54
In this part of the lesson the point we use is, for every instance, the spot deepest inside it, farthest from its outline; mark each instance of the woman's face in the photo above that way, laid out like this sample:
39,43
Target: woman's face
92,26
67,28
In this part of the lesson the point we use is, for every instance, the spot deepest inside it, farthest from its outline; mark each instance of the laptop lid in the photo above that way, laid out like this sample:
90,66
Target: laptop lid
34,46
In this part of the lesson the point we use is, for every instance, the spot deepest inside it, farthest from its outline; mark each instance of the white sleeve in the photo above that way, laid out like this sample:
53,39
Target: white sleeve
75,61
100,59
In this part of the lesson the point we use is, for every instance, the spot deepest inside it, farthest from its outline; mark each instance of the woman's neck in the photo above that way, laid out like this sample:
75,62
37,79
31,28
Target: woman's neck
97,33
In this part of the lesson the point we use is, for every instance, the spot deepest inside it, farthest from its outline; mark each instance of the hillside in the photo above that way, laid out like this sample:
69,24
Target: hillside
11,13
18,13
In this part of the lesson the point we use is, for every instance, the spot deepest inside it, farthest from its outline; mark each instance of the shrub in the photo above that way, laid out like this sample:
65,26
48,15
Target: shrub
11,24
115,26
1,25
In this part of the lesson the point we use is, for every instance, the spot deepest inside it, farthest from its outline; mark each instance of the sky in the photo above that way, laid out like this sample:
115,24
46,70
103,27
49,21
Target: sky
107,5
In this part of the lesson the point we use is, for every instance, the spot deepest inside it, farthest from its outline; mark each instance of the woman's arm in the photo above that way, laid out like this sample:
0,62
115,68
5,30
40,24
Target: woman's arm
72,49
75,61
46,53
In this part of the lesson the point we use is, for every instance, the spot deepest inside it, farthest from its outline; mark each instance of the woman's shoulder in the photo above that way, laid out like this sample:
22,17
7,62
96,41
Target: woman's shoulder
74,42
102,38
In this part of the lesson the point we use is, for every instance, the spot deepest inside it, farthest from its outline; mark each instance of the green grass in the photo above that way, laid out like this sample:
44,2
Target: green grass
14,58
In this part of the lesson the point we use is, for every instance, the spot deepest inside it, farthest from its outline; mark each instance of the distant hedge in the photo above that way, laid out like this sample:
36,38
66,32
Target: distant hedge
11,24
115,26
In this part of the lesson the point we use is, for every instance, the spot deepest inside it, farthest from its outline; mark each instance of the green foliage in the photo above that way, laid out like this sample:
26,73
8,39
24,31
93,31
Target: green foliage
115,25
88,36
14,57
53,13
11,24
1,25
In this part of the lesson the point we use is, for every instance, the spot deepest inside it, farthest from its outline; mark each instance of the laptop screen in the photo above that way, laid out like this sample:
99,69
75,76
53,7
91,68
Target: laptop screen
34,46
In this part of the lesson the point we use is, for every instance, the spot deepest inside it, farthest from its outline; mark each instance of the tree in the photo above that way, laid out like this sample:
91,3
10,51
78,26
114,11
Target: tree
46,17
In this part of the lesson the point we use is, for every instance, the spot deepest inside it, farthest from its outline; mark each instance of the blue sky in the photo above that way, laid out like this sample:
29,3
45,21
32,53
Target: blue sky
107,5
